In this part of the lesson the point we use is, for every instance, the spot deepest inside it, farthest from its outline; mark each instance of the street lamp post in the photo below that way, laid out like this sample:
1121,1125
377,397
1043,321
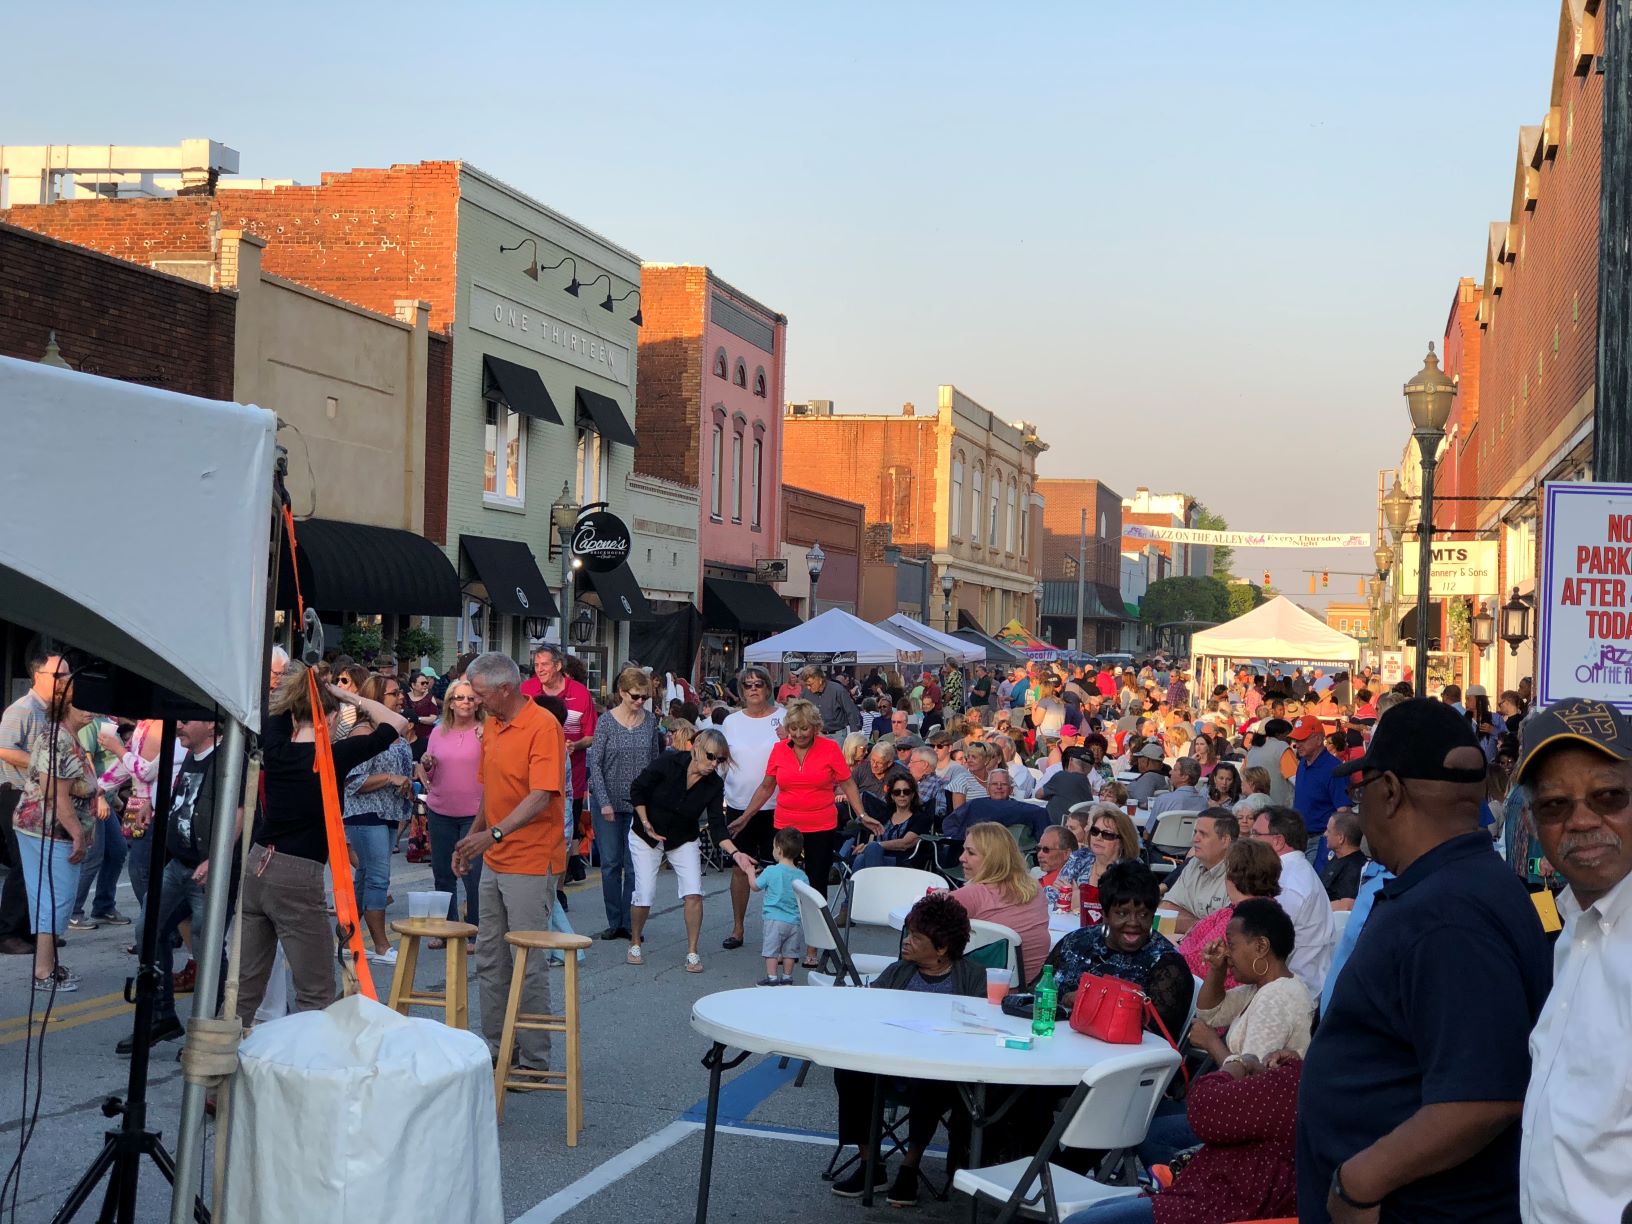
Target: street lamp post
947,583
1396,513
1429,395
815,559
563,516
1515,622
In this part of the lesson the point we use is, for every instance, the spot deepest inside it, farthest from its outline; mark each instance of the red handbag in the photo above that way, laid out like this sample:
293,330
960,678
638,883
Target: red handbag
1111,1010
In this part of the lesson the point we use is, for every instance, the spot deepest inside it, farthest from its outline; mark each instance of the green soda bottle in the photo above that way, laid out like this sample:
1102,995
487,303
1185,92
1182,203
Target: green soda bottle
1042,1011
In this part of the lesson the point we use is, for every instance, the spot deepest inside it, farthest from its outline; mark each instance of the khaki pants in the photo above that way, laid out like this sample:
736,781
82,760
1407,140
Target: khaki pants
514,903
283,903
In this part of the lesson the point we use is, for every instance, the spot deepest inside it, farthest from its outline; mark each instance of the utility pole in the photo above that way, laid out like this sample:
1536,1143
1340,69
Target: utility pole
1082,574
1612,430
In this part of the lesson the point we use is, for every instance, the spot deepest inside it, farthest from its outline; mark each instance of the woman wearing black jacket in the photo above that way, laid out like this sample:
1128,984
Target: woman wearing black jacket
672,799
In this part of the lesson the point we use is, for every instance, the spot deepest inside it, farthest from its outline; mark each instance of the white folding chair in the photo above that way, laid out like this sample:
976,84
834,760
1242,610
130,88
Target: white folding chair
816,921
875,891
1340,919
983,934
1173,832
1109,1110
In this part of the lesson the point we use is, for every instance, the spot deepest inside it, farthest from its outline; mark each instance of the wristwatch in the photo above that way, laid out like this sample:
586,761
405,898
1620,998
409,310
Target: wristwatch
497,833
1337,1189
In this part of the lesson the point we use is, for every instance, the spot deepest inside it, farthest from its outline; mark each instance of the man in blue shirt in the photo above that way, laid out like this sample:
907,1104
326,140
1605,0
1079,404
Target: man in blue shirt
1412,1088
1317,791
1000,806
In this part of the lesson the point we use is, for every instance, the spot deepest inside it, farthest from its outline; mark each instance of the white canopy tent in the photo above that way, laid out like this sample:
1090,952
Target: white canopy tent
1278,631
934,653
955,648
835,636
85,456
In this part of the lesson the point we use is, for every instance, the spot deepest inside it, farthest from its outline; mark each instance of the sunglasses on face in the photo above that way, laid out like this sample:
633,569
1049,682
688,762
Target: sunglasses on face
752,684
462,697
1606,801
902,793
1104,834
712,757
637,697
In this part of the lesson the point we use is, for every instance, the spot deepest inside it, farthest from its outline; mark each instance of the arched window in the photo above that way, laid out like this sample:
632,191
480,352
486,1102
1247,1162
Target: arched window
978,502
1012,525
741,375
1025,521
718,456
759,382
720,370
991,526
955,511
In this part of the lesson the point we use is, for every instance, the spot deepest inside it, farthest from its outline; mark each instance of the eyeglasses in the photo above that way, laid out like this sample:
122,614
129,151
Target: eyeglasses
712,757
1606,801
1104,834
750,684
901,792
634,696
393,692
1360,784
462,697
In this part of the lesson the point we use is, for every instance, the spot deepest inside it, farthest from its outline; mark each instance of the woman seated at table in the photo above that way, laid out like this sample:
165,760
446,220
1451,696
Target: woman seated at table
1124,946
891,841
1107,834
1271,1009
999,888
1251,869
934,937
1245,1115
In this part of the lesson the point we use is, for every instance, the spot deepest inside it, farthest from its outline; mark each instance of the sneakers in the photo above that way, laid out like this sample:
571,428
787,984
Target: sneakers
634,957
113,918
63,980
852,1186
79,922
903,1190
768,981
784,981
182,981
388,957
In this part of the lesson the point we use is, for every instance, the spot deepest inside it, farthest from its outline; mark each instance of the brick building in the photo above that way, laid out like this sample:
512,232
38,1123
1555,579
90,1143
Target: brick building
957,487
542,377
840,527
1099,543
1351,618
1167,510
712,361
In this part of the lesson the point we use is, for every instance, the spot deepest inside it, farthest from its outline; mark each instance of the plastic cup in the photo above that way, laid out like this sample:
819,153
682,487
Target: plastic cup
438,904
997,986
419,905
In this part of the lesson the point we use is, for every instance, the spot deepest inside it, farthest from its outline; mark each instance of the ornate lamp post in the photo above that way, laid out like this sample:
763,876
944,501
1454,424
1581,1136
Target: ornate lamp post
947,583
1429,396
1515,622
1482,627
563,516
815,559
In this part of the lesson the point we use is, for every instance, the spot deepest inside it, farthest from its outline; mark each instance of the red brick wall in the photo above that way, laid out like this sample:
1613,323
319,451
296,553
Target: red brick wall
669,374
849,457
1526,386
1064,501
438,414
1458,474
113,318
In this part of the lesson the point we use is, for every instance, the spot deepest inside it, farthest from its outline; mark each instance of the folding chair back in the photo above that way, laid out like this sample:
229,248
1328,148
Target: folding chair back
1123,1093
1340,919
877,890
1173,832
816,921
996,947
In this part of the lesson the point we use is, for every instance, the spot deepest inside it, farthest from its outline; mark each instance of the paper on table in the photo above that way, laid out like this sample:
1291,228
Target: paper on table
969,1024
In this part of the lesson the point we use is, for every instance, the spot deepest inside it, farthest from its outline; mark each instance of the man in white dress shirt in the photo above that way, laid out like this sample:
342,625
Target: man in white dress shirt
1575,768
1303,896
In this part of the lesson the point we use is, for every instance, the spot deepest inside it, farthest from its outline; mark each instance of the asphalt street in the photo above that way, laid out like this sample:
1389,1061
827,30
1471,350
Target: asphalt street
644,1088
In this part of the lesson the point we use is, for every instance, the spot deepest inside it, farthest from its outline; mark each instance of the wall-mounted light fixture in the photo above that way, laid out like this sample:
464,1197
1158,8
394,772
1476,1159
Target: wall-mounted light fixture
611,301
572,286
532,264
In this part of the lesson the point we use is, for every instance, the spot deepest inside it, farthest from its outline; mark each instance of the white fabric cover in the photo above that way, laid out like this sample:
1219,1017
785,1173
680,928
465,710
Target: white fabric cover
1276,630
358,1113
87,463
933,653
833,631
962,651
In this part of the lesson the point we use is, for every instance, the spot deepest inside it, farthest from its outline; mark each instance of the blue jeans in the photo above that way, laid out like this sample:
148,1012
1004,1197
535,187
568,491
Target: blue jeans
50,885
446,832
182,899
1168,1135
870,855
617,872
138,864
372,878
101,868
1116,1211
1315,852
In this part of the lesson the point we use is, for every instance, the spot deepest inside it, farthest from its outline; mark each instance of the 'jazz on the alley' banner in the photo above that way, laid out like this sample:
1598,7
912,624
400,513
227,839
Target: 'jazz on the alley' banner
1247,539
1584,640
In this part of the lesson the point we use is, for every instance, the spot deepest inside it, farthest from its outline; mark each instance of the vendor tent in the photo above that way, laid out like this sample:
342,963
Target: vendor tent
834,637
934,654
999,654
1278,630
82,456
957,649
1032,647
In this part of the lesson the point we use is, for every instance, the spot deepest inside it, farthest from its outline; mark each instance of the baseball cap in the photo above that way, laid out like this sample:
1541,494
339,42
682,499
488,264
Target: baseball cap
1078,754
907,742
1475,690
1151,752
1412,741
1306,726
1575,720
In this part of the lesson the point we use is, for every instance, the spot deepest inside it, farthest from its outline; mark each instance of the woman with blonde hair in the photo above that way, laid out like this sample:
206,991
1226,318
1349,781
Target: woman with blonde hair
998,887
451,773
855,747
627,739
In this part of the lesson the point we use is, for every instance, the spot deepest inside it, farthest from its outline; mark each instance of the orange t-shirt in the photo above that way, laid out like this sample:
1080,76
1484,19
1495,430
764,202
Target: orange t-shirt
526,754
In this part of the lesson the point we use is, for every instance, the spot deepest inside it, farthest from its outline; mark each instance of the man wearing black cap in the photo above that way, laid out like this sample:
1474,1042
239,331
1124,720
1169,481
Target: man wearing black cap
1414,1083
1575,773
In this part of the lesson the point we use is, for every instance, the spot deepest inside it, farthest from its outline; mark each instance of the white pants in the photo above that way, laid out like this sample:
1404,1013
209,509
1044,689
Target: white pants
687,861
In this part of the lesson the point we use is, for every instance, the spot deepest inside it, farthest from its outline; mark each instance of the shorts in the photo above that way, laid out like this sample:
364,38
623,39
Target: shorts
757,835
687,861
781,940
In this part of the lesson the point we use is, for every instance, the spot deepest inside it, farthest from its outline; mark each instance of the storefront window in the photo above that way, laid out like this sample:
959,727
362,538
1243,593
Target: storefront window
592,476
505,478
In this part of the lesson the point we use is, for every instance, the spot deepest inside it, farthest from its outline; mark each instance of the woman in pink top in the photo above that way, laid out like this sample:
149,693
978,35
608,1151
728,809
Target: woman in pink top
450,770
998,888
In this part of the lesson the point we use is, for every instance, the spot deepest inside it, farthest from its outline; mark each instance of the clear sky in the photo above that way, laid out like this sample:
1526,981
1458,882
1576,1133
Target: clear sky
1200,244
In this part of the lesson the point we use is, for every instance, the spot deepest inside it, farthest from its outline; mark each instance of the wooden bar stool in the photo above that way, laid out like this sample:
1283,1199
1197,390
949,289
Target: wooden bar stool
453,998
523,1079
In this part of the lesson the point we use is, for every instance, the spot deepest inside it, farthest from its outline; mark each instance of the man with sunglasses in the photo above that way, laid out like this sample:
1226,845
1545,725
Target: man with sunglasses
1575,773
1413,1085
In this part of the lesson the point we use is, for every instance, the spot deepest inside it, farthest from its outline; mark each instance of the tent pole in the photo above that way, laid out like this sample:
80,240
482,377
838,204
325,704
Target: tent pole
223,838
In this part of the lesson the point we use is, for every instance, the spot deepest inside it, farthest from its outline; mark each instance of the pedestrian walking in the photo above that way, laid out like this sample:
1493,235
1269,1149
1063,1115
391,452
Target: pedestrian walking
377,801
628,738
451,773
53,820
751,733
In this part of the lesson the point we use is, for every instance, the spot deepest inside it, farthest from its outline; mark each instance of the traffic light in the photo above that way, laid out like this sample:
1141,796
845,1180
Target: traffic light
1324,578
1311,583
1266,578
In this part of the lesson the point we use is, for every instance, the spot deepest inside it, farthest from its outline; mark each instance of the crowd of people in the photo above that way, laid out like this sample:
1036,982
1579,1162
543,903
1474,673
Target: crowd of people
1334,1076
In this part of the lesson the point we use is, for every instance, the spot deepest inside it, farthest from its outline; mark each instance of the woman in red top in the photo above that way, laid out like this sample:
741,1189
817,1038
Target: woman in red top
803,772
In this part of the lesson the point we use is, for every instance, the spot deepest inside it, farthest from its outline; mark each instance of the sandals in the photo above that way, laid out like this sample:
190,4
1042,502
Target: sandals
634,956
694,963
436,945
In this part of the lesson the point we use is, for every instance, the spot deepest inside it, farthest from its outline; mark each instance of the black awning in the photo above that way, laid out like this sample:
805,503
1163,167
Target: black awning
510,574
353,567
519,388
1110,599
602,413
996,652
966,620
620,595
1408,622
747,607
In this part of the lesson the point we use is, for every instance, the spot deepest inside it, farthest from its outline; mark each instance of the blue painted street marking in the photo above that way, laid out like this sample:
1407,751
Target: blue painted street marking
746,1091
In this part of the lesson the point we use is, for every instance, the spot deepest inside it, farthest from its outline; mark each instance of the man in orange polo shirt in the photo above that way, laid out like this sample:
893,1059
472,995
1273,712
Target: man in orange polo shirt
520,837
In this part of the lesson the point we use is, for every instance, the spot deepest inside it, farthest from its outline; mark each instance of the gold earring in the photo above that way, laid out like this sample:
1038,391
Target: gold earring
1257,972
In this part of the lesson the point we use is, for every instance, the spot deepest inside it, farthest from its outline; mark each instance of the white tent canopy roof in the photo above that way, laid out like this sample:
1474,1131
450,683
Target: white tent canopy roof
84,459
835,632
957,648
934,654
1278,629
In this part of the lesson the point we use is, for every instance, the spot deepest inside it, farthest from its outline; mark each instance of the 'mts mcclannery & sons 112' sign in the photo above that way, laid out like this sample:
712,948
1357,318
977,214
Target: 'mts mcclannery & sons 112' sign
1585,634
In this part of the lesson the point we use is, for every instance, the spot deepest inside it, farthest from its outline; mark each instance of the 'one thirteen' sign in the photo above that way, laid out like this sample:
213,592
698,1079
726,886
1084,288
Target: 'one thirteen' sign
542,332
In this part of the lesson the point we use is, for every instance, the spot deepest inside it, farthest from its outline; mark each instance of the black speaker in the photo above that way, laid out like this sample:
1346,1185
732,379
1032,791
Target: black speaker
104,688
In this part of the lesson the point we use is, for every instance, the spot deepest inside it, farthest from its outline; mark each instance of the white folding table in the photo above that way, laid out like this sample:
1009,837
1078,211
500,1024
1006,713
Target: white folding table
861,1030
1059,925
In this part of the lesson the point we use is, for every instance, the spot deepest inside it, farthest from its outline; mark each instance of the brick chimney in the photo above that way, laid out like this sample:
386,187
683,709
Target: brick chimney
908,410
